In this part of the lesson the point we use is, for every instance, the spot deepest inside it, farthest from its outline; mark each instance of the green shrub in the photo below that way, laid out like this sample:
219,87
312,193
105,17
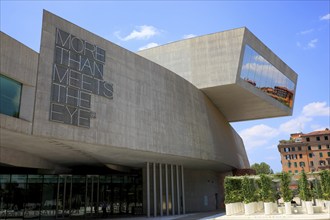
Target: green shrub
233,190
248,190
267,191
325,184
286,193
304,188
317,190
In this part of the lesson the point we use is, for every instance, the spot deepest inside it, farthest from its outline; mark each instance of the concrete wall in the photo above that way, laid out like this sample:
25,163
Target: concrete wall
19,63
205,61
153,109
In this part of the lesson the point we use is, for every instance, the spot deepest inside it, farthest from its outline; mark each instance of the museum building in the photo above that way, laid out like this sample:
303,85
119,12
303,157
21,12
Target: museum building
89,128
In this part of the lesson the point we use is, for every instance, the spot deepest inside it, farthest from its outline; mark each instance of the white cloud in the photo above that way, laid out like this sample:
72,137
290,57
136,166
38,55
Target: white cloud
325,17
295,125
257,135
260,59
312,43
143,32
316,109
150,45
186,36
305,32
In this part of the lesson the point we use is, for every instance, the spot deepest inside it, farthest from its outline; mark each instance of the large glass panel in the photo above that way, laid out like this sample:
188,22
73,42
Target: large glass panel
49,193
33,196
78,195
10,96
257,71
17,195
4,195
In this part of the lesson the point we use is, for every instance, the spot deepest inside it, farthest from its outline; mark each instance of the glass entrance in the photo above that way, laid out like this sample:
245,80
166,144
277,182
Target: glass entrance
70,196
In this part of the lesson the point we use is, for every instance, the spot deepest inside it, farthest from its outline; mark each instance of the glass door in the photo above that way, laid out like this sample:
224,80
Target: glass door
92,203
64,195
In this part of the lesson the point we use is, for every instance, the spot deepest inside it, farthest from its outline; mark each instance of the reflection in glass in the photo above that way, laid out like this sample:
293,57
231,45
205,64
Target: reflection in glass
10,96
257,71
70,196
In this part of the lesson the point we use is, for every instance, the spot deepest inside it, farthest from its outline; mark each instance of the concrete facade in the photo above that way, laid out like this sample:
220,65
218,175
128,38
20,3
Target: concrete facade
156,118
213,64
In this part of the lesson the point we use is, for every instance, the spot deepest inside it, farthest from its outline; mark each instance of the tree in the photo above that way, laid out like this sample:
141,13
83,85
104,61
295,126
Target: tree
305,193
285,186
267,190
262,168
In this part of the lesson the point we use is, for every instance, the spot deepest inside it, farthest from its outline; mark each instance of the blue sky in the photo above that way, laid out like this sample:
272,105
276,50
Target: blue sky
297,31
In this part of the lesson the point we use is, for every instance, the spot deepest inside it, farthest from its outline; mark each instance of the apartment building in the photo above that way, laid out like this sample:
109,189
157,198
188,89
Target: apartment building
310,152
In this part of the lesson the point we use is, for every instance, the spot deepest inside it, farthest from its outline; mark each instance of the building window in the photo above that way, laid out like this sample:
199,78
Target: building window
289,164
295,164
300,156
299,148
312,163
296,171
321,155
320,147
286,149
309,148
302,164
326,138
307,139
10,96
328,154
290,171
328,146
293,149
276,85
310,155
318,138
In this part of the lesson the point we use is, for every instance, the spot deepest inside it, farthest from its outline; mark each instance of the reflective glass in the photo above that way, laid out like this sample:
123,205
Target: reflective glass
10,96
257,71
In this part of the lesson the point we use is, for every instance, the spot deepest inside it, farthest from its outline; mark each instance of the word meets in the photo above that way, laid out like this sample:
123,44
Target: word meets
77,74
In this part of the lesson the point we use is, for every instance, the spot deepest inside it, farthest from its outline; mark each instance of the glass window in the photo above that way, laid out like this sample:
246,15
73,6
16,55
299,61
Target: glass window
326,138
320,147
318,138
312,163
300,156
258,72
321,155
299,148
293,149
10,96
295,164
309,148
302,164
307,139
328,154
310,155
296,171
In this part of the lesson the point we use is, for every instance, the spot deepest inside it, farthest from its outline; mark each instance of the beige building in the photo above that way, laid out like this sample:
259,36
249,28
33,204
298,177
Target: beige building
89,127
309,152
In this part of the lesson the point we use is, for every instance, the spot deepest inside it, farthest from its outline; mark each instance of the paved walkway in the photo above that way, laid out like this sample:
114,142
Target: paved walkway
222,216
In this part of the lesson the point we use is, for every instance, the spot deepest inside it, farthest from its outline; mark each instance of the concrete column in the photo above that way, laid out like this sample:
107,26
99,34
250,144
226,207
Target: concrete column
160,190
172,190
178,188
183,196
155,190
166,188
148,189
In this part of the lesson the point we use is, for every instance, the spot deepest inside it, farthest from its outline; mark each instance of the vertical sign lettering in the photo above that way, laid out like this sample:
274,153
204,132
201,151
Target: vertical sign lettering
77,74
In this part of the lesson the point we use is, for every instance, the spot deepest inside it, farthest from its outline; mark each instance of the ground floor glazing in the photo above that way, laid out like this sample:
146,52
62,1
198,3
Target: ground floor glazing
70,196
